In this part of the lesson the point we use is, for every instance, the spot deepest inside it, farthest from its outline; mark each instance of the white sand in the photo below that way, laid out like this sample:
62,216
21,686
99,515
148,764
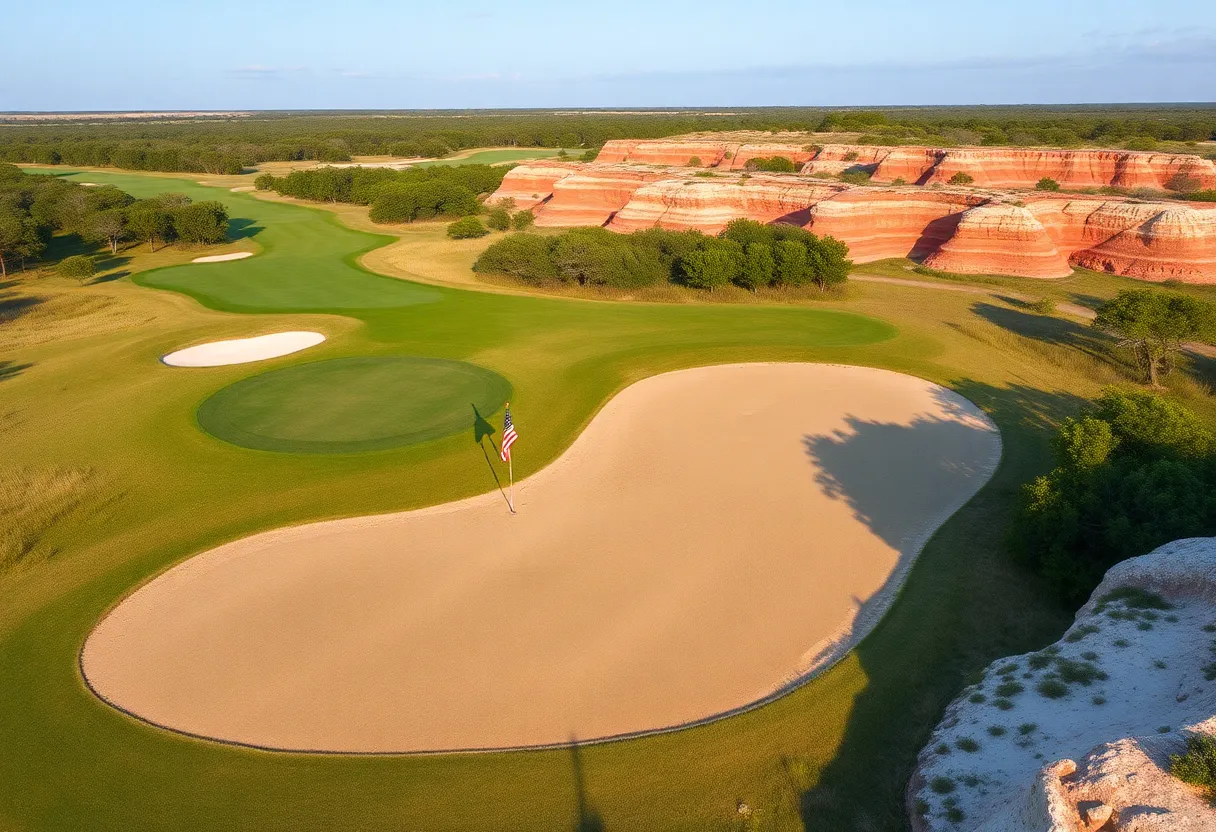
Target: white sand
240,189
243,350
1155,682
703,544
223,258
90,185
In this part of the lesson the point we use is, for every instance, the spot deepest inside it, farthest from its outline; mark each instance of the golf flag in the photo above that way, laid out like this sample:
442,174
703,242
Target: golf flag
508,435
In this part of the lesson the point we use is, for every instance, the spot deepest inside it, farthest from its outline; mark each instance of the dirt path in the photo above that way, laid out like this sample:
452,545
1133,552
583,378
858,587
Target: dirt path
708,540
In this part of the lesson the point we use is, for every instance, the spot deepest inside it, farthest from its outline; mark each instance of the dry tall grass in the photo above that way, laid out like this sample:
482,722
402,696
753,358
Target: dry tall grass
32,501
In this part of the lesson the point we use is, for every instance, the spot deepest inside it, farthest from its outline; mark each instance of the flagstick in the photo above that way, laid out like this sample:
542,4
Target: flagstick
511,472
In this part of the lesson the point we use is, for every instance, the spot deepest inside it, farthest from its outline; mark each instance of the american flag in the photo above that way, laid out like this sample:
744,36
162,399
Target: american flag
508,435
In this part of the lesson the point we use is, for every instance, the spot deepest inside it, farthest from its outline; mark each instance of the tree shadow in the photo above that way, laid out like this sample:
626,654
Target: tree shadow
586,819
1048,329
240,228
1090,301
965,604
483,430
11,369
13,307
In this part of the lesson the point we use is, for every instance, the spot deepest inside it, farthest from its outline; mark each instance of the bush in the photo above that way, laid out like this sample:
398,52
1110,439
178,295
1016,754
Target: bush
396,202
467,228
201,222
265,182
1140,143
855,177
772,164
498,219
962,178
78,267
523,256
1052,688
1197,765
694,162
523,220
1047,184
599,257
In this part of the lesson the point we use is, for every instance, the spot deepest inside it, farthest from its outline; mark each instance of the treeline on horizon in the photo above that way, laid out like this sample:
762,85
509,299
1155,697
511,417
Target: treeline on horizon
233,144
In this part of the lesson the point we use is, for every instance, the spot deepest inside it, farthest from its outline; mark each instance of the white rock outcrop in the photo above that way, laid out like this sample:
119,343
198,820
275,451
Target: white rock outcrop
1078,736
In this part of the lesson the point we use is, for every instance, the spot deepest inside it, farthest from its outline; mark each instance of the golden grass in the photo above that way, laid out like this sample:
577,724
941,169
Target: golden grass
32,502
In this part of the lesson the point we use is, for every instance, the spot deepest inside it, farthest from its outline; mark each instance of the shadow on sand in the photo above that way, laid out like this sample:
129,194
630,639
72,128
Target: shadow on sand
964,605
483,430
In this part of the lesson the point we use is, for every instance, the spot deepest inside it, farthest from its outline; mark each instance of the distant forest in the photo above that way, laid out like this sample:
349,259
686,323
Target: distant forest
229,145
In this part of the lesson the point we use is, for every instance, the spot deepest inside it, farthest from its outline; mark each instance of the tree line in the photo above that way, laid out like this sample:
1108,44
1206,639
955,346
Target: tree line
228,145
394,195
33,208
746,253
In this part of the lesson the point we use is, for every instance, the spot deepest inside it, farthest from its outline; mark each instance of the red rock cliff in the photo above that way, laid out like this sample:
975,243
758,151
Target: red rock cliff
881,223
1000,239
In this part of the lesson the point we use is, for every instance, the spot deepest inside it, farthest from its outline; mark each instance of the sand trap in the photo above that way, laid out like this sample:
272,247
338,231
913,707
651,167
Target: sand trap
701,546
240,189
223,258
243,350
90,185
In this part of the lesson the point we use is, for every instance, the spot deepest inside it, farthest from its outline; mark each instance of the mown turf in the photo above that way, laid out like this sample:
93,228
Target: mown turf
497,157
348,405
833,755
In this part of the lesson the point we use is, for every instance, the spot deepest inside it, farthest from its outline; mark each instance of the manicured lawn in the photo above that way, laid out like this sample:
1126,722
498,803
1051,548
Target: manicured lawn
496,157
347,405
833,755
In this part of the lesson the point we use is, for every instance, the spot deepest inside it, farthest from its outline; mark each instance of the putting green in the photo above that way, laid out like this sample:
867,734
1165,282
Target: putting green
345,405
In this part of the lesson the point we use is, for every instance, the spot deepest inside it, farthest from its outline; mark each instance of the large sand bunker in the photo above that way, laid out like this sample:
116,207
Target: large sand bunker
243,350
712,537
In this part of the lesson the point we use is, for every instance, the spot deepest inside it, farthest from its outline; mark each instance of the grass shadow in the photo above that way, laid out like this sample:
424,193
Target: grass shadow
13,307
483,430
240,228
1047,328
965,604
586,818
11,369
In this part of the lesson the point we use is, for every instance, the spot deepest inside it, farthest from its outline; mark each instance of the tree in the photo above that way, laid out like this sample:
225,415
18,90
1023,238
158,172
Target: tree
523,220
962,178
467,228
264,182
201,222
758,267
78,267
828,262
1154,326
694,162
109,227
498,219
12,233
793,267
1047,184
716,263
523,256
148,220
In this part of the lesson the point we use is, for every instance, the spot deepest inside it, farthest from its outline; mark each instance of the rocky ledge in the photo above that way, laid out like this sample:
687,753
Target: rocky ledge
1078,736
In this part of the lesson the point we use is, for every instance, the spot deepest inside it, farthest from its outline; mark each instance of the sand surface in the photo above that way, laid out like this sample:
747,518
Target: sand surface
710,538
223,258
243,350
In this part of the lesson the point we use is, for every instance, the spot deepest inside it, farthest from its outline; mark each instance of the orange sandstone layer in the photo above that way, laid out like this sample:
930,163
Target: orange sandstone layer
709,204
645,152
530,185
1179,243
1000,239
902,222
593,196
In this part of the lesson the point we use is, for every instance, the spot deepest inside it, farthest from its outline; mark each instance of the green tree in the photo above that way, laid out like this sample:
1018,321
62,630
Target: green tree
962,178
78,267
694,162
758,267
499,219
746,232
264,182
793,266
13,234
109,226
201,222
147,220
716,263
1155,325
1047,184
526,257
523,220
829,263
467,228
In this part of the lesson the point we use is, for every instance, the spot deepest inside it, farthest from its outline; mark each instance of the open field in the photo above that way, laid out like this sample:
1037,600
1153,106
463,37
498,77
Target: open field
150,489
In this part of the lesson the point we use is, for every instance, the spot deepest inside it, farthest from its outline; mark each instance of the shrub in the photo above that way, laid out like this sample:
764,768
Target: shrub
941,785
498,219
1044,306
1140,143
523,256
1137,598
967,744
1047,184
408,202
772,164
201,222
694,162
996,730
1052,688
855,177
851,156
598,257
1007,689
265,182
978,698
467,228
962,178
1027,728
78,267
1003,704
523,220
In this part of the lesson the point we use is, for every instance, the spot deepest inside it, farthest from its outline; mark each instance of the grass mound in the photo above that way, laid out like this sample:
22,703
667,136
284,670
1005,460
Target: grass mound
347,405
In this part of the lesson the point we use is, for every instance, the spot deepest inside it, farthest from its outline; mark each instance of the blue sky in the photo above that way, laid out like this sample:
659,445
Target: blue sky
367,54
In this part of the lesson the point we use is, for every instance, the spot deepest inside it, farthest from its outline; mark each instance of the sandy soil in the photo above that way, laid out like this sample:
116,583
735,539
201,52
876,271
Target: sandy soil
243,350
223,258
706,542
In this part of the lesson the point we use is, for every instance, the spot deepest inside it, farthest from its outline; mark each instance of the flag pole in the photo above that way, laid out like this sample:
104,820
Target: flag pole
511,473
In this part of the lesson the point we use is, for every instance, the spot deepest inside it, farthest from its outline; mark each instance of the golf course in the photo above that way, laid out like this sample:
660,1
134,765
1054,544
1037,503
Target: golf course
143,466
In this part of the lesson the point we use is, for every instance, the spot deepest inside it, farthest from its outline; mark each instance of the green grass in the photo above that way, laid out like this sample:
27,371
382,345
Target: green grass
348,405
497,157
835,754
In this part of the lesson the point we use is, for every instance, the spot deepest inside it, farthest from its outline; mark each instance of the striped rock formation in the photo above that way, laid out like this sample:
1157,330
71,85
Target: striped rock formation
900,222
709,204
593,196
530,185
1178,243
1000,239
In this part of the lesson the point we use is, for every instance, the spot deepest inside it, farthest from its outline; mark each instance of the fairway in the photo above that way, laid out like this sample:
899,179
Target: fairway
498,157
347,405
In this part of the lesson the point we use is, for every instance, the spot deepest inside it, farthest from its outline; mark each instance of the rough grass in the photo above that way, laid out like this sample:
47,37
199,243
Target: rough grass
32,501
1197,765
